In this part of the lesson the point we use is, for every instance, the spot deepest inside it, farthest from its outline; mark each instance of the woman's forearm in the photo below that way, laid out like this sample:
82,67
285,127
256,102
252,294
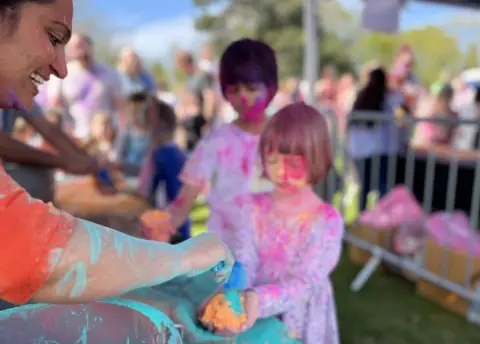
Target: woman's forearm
99,262
15,151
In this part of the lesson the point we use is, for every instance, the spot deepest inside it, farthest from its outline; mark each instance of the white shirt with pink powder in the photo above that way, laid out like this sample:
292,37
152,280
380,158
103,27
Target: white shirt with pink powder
227,162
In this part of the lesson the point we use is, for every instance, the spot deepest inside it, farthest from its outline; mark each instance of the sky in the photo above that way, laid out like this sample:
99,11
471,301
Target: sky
154,27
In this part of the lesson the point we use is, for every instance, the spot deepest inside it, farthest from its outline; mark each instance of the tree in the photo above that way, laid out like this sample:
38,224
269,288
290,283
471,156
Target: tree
434,51
159,73
280,23
471,57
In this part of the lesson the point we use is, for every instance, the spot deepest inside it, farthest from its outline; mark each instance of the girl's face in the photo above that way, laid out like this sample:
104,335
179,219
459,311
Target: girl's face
248,100
288,172
32,50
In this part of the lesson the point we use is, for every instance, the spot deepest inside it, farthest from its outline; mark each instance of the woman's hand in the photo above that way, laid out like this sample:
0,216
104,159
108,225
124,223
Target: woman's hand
204,252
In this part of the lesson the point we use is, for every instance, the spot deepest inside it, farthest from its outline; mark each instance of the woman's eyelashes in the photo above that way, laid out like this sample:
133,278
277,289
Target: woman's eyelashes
55,39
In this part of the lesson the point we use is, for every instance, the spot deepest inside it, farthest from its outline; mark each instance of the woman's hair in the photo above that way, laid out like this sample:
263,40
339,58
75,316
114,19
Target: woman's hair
9,12
299,129
371,97
248,61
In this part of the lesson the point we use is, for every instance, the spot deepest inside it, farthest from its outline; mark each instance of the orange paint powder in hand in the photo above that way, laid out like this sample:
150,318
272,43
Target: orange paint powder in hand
221,315
156,225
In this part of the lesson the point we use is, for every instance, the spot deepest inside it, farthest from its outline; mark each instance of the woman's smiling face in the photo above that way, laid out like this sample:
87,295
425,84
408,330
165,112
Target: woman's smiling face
32,42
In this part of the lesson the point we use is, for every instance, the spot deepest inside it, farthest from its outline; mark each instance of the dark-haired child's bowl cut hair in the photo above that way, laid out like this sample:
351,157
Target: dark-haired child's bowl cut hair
249,61
165,114
299,129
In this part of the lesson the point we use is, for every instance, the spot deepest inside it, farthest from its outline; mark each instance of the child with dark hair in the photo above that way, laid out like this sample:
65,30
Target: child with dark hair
159,177
132,144
226,161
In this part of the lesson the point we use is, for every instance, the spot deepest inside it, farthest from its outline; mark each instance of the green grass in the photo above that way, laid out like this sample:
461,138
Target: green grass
386,310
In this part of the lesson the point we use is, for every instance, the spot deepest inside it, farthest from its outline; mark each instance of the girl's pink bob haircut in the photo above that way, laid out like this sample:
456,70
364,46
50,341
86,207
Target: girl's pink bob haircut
299,129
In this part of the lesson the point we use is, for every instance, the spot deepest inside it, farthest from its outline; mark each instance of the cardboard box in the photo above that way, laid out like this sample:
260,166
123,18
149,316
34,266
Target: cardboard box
456,271
382,238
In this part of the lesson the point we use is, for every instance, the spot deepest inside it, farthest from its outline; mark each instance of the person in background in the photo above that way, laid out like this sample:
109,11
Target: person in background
206,62
165,95
48,255
467,136
438,133
326,89
365,71
102,136
370,142
188,111
59,120
133,76
159,178
463,94
132,143
33,168
90,87
346,94
201,86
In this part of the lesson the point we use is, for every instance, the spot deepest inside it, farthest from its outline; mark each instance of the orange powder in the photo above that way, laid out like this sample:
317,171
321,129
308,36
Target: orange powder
155,225
219,313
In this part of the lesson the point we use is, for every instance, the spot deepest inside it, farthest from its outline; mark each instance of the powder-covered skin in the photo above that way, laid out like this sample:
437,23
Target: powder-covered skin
49,256
288,259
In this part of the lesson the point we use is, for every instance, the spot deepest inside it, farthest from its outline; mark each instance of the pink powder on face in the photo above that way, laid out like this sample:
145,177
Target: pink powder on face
178,202
255,113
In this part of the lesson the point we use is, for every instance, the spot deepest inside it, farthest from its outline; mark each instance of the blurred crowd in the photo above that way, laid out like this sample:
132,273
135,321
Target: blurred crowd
104,108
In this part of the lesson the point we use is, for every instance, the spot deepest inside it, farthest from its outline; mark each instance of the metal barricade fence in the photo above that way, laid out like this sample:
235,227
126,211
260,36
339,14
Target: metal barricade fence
441,179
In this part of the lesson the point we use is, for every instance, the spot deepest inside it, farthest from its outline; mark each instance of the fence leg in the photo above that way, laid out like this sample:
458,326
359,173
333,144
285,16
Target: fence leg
366,272
473,314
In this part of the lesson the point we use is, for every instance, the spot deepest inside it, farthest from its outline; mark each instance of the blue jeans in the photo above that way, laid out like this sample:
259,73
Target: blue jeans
364,169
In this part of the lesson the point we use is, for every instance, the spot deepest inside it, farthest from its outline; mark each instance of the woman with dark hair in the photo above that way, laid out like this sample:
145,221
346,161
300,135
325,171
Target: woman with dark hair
371,141
47,255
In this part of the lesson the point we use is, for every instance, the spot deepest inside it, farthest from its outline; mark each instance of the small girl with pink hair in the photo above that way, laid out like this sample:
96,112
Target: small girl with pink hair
294,238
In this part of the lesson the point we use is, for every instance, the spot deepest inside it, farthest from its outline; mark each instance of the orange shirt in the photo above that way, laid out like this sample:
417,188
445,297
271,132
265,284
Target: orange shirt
33,235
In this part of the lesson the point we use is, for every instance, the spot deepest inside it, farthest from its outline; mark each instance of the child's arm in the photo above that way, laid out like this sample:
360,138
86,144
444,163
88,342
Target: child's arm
315,263
196,175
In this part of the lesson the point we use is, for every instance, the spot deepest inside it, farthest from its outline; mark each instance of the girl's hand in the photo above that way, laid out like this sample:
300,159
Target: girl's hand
252,311
204,252
251,308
